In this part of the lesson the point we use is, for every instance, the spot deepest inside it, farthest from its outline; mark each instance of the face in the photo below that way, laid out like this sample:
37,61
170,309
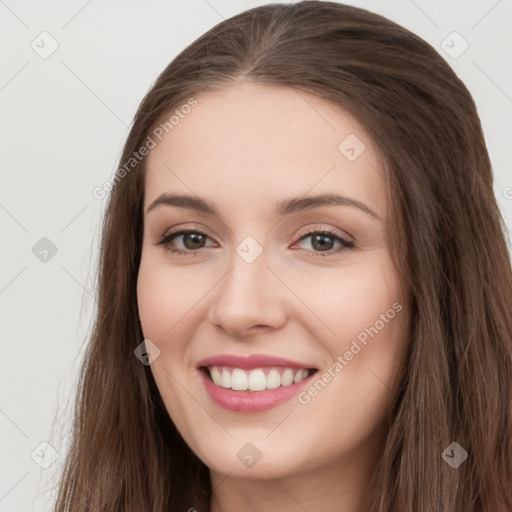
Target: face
253,283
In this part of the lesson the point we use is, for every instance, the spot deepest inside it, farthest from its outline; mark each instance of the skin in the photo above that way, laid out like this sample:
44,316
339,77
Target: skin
244,149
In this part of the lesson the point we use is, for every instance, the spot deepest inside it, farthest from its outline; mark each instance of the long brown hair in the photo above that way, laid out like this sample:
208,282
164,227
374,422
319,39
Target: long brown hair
448,241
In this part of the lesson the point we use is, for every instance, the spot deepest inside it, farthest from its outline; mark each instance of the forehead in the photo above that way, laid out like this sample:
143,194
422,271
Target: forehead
257,142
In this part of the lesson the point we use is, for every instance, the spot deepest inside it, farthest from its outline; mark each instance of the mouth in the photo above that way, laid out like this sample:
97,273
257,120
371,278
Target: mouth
255,379
254,383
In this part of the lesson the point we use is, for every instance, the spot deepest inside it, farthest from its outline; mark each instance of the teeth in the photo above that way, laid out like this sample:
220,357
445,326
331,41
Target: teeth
216,375
287,377
238,380
298,376
225,379
257,379
273,379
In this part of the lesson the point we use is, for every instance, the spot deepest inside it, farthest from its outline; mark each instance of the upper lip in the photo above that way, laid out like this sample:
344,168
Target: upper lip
251,362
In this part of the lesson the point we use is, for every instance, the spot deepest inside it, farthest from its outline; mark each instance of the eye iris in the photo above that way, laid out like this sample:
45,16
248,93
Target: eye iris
197,240
320,239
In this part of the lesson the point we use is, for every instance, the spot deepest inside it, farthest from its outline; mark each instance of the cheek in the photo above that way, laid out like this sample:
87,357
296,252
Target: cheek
350,299
372,329
166,302
367,320
167,298
157,307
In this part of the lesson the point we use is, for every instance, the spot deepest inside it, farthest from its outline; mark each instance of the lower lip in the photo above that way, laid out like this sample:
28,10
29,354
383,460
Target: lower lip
251,401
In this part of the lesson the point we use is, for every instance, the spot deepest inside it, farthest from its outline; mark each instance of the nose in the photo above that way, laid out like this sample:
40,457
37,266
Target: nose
249,299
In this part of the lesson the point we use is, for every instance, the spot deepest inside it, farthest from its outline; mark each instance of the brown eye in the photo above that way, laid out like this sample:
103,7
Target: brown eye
321,242
324,241
191,241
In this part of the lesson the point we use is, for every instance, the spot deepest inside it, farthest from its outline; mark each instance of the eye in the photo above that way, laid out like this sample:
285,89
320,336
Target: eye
191,240
322,242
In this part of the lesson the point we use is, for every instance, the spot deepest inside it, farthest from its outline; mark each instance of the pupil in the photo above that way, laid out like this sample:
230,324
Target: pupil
196,240
322,245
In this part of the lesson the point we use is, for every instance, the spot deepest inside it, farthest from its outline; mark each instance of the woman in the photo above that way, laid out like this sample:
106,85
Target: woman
304,287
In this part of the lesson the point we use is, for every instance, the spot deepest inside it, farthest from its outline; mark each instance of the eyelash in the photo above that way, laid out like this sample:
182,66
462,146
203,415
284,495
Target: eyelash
345,244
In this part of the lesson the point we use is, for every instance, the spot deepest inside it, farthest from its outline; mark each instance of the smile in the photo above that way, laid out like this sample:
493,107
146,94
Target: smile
257,379
251,384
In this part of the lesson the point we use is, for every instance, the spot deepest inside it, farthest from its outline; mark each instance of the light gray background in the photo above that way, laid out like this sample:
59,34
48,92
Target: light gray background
63,120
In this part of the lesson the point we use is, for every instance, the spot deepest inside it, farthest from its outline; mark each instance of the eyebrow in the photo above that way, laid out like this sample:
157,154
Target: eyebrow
285,207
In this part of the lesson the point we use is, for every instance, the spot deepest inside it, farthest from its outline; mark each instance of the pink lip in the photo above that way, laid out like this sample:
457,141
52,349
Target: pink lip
250,362
251,401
